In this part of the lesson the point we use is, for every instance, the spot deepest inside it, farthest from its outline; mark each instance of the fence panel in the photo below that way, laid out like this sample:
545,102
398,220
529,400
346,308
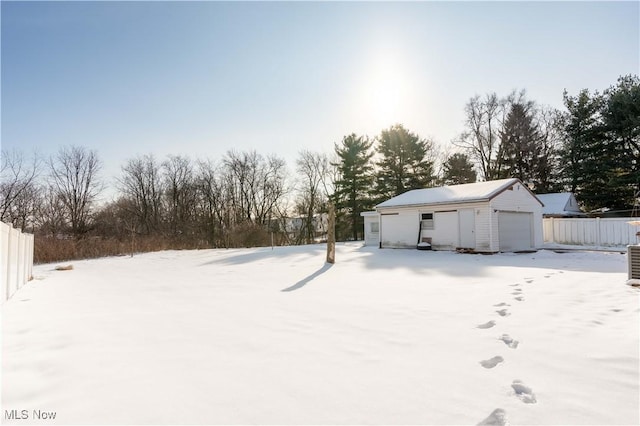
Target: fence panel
4,260
16,259
590,232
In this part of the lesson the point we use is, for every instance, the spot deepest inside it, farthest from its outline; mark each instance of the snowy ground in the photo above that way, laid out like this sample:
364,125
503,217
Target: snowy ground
278,337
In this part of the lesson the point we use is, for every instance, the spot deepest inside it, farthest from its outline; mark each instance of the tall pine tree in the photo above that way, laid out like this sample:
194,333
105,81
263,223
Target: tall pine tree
404,162
519,143
458,169
621,120
584,152
354,181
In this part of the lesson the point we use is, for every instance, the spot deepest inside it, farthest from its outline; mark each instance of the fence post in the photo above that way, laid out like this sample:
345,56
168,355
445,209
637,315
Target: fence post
21,261
4,258
9,262
32,247
598,232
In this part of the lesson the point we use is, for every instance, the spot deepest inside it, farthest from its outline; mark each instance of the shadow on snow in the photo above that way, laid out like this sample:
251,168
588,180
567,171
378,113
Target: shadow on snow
311,277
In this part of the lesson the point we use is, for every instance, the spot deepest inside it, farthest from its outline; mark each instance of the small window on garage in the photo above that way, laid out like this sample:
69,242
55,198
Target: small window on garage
426,221
374,227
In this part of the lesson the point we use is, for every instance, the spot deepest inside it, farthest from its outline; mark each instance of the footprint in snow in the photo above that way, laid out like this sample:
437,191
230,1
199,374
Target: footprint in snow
509,341
514,285
519,298
503,312
492,362
524,392
516,293
529,281
487,324
497,418
501,304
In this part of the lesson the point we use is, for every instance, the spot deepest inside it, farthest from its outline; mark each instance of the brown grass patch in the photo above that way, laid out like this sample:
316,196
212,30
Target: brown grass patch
50,249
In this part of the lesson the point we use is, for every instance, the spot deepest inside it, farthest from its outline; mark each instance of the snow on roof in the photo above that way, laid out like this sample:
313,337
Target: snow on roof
561,203
468,192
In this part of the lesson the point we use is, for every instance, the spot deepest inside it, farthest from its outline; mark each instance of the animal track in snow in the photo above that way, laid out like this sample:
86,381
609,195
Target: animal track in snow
509,341
529,281
503,312
487,324
519,298
492,362
524,392
497,418
501,304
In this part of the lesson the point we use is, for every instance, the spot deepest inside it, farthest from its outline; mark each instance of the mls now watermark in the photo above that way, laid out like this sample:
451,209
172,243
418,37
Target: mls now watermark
29,415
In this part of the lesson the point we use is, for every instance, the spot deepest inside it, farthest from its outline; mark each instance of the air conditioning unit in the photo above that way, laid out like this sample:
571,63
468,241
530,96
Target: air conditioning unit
633,254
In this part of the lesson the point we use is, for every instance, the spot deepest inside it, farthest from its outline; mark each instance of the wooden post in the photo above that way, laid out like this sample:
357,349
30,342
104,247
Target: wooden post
331,235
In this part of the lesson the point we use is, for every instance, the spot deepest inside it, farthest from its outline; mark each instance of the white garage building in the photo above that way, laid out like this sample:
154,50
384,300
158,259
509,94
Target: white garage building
501,215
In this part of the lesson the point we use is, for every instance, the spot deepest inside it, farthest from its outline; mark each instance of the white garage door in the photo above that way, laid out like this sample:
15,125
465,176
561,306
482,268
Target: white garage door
399,230
515,231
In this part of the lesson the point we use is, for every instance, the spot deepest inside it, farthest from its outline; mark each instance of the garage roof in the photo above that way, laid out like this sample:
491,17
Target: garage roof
465,193
560,204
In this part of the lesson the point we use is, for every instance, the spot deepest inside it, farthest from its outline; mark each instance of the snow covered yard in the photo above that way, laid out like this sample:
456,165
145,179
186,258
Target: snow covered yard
381,337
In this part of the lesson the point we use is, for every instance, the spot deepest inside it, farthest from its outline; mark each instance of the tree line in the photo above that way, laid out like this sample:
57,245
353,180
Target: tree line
591,148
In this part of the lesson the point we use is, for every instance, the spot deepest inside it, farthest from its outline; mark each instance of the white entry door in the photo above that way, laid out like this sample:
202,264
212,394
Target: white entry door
467,223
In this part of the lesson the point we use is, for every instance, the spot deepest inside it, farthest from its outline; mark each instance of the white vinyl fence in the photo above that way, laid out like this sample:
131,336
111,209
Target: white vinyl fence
16,259
590,232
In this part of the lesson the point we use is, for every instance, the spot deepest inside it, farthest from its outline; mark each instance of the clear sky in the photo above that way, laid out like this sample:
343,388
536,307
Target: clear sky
200,78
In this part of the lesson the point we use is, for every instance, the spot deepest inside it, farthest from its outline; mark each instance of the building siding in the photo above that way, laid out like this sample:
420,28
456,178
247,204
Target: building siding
401,230
440,236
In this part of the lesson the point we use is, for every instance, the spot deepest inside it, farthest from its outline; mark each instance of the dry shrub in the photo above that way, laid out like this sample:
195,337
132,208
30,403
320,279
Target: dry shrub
249,235
50,249
64,268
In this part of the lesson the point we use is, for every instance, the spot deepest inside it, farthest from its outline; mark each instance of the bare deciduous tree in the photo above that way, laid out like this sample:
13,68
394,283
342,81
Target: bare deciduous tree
74,177
482,137
313,170
212,202
18,188
140,183
256,184
180,195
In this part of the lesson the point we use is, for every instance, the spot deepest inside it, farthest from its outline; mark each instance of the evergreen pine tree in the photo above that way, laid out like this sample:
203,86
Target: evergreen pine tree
354,183
520,144
584,152
403,164
621,121
458,169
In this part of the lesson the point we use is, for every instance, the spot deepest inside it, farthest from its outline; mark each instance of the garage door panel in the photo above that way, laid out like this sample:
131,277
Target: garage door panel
515,231
399,230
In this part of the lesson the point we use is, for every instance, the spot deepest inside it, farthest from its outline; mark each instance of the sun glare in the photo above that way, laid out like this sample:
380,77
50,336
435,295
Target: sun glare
385,93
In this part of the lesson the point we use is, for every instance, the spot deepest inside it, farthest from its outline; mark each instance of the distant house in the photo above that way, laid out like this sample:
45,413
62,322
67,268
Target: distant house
502,215
561,204
293,226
